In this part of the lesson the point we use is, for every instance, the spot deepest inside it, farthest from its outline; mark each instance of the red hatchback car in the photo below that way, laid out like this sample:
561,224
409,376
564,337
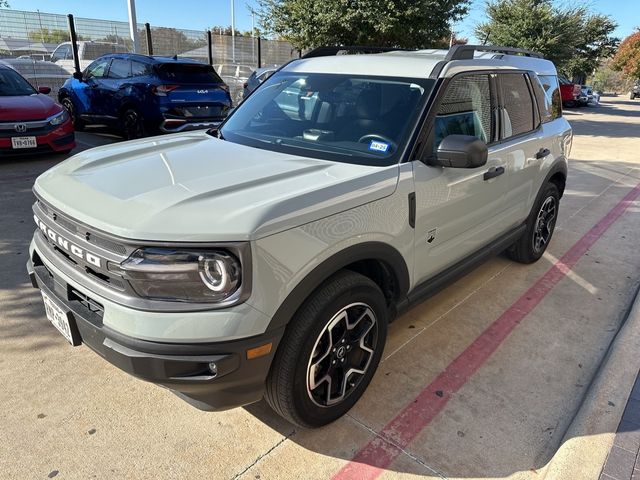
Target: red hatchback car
30,121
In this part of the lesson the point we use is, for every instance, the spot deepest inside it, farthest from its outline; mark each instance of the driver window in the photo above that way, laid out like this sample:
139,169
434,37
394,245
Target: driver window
97,69
465,110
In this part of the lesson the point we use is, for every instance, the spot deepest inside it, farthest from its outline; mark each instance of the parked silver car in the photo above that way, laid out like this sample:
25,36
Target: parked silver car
267,258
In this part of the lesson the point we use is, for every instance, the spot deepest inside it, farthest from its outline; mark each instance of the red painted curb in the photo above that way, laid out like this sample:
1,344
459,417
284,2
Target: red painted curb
381,451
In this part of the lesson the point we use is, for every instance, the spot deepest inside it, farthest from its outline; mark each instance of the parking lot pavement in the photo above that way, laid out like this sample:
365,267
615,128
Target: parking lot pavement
481,381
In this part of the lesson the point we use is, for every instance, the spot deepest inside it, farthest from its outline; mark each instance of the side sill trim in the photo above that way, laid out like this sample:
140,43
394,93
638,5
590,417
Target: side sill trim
433,285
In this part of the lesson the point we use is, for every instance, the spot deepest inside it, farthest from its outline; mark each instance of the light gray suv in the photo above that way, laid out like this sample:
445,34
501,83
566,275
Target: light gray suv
268,257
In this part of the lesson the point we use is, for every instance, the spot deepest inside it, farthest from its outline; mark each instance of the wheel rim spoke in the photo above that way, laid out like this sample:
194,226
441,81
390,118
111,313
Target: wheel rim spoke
342,354
545,222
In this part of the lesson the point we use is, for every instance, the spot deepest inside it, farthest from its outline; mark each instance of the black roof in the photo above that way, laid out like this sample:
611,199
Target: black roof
154,59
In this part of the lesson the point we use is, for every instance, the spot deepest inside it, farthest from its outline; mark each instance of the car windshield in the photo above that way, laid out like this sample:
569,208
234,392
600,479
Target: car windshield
347,118
12,84
186,73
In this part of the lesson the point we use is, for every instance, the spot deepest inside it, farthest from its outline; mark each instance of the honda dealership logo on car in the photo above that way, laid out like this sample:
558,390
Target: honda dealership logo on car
62,242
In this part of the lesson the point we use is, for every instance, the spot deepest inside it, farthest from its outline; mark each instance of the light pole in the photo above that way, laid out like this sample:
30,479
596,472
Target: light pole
233,32
253,31
133,25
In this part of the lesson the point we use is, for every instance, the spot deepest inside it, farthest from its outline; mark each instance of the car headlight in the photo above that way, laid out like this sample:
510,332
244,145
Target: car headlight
59,118
185,275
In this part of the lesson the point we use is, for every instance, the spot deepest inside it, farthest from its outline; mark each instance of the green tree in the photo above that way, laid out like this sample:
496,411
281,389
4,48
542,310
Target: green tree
608,79
48,36
392,23
627,58
571,37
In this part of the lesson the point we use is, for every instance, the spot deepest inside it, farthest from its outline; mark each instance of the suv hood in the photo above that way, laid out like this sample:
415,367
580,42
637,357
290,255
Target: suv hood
193,187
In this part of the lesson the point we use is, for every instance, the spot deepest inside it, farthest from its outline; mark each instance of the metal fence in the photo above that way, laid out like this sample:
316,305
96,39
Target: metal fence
29,39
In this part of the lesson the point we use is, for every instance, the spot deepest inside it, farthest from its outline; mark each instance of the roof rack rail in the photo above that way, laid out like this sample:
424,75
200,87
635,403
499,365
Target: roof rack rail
335,50
465,52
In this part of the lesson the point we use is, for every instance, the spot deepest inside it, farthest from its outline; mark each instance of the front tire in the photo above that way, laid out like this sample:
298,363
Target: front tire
540,227
78,124
329,352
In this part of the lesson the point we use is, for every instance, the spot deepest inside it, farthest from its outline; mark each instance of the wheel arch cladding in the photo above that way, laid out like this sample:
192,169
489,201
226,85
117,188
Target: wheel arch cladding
558,176
378,261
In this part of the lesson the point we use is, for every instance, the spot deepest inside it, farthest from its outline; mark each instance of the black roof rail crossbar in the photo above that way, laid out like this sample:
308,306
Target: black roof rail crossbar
465,52
330,51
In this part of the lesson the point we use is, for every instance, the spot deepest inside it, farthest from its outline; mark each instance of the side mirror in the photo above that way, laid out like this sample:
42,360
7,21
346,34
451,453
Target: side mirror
44,90
78,76
461,151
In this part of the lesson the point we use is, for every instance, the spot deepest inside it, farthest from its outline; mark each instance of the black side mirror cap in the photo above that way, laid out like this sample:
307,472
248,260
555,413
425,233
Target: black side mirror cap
461,151
77,75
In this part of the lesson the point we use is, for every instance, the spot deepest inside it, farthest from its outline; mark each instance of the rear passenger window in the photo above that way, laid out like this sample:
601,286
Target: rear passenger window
139,69
465,110
553,99
120,68
518,110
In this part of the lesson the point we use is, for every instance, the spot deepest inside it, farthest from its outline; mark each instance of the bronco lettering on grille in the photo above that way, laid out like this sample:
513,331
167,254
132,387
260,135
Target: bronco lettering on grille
66,245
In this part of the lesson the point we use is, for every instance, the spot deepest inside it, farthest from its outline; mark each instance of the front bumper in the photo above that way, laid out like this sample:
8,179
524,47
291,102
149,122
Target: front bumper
183,368
59,139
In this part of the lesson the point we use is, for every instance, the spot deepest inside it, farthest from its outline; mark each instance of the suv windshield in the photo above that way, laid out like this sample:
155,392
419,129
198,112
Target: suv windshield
356,119
12,84
186,73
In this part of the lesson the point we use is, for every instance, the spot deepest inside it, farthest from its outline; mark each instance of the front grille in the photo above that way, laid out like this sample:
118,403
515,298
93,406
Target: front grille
82,231
107,280
30,132
87,302
88,308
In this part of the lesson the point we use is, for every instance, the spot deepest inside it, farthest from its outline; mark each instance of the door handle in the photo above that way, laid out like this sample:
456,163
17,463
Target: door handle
543,152
493,172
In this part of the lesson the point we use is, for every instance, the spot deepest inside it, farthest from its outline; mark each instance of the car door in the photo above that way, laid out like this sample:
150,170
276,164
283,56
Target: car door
88,100
459,210
525,144
115,86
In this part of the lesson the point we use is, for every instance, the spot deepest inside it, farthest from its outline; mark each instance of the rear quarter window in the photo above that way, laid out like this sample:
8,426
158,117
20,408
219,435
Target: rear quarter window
553,98
517,105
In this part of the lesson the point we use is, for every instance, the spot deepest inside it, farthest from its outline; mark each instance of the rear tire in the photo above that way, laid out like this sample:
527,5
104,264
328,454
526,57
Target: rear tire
132,124
78,124
540,227
329,352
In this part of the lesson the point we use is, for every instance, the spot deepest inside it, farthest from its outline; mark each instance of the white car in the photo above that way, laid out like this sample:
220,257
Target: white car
88,51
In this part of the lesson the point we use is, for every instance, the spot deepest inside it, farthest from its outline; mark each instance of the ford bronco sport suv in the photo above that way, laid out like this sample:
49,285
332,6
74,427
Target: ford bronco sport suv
267,258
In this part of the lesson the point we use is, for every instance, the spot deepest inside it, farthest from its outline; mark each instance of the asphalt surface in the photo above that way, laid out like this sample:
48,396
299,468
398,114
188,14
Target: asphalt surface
481,381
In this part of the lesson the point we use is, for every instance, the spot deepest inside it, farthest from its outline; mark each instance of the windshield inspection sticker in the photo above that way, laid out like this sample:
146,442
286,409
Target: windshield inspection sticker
378,146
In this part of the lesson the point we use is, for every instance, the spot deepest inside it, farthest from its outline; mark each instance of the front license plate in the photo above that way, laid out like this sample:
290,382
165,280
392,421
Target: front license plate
59,318
24,142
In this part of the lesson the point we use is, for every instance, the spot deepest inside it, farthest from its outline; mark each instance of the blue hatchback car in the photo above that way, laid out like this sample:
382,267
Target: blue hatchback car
142,95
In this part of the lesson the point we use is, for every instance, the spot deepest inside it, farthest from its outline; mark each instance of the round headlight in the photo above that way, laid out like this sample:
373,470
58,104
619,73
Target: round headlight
219,272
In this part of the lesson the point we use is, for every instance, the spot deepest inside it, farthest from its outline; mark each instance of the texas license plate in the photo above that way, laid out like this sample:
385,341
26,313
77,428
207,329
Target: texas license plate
58,317
24,142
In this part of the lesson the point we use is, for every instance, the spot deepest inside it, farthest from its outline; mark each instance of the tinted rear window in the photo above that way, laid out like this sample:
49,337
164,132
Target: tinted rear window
189,73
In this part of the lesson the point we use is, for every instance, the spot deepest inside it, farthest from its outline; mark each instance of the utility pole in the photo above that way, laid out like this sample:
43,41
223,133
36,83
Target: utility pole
133,25
253,31
233,32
